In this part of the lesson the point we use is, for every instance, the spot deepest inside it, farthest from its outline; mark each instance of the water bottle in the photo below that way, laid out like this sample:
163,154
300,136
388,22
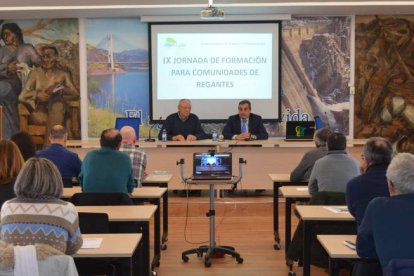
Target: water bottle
214,135
164,135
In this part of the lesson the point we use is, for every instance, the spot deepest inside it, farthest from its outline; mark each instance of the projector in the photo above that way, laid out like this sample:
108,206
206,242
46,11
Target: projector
212,13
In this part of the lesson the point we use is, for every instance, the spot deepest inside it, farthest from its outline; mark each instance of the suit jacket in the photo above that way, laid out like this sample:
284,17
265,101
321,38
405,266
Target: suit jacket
256,127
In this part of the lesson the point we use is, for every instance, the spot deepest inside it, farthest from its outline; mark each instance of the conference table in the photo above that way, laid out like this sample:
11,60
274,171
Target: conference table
139,214
115,246
149,194
291,195
279,180
335,246
317,213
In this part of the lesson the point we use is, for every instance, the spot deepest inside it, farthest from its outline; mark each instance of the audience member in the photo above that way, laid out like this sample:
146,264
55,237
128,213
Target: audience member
245,125
107,170
386,232
11,161
25,143
304,168
332,172
67,162
37,215
372,183
138,158
183,125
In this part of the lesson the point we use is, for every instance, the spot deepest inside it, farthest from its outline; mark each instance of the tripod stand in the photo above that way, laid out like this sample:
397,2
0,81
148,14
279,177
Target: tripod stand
212,248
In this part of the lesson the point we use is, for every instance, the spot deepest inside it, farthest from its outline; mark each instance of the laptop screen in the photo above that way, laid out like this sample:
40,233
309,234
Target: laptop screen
300,130
132,122
210,166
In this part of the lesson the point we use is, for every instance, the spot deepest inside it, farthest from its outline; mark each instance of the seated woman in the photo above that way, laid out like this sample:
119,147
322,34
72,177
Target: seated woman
11,162
25,143
37,215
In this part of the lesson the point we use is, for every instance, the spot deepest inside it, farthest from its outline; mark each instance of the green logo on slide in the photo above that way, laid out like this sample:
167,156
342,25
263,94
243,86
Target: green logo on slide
169,42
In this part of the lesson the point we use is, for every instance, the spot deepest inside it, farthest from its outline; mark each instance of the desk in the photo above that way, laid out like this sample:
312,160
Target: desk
115,246
160,180
150,194
140,214
310,214
279,180
336,249
292,194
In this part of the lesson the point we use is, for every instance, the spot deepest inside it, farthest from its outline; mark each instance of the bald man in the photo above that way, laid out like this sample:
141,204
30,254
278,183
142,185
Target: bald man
183,125
67,162
138,158
107,170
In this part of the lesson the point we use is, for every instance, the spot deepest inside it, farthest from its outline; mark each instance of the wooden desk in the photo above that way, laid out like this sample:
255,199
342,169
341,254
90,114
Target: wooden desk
160,180
150,194
310,214
291,195
140,214
115,246
337,250
279,180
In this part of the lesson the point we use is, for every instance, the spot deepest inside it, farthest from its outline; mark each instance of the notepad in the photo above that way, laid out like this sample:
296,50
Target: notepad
161,172
91,243
302,189
337,210
350,244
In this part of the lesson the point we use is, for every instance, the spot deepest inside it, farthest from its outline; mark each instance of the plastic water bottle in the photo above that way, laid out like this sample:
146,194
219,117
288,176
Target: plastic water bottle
164,135
214,135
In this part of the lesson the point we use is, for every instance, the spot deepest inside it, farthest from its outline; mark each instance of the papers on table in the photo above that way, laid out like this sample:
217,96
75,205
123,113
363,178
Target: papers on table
350,244
161,172
91,243
302,189
337,210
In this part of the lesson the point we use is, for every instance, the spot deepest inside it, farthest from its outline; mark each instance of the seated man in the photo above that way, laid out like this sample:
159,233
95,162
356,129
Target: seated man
386,232
372,183
107,170
138,158
183,125
67,162
332,172
304,168
245,125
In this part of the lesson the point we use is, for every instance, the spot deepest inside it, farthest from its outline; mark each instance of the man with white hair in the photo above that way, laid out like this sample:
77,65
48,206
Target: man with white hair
138,158
386,231
304,168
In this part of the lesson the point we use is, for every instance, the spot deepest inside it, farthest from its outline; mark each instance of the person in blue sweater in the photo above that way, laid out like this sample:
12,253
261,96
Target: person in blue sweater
372,183
386,232
107,170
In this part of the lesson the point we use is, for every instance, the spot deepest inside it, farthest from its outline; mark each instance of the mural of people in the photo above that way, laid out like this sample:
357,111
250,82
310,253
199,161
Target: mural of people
16,57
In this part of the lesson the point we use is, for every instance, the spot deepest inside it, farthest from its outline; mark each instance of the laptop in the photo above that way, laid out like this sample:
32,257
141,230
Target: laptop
216,166
132,122
300,130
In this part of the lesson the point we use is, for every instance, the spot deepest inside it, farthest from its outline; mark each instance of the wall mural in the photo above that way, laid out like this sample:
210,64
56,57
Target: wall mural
39,76
384,77
117,56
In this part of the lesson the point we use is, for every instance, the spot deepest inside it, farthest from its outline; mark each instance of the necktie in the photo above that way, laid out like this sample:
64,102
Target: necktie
244,126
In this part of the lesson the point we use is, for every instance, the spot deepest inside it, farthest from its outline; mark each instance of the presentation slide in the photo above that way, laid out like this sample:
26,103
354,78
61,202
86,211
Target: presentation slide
215,66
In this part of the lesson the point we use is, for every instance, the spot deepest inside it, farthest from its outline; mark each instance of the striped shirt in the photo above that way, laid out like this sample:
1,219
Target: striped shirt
138,160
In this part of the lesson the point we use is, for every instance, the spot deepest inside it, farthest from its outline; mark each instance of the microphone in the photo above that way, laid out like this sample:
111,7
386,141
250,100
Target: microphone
327,120
149,139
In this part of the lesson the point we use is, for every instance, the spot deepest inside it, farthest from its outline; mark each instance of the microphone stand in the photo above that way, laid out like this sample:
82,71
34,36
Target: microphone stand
149,139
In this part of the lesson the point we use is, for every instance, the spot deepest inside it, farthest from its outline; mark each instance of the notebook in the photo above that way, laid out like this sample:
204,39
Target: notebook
208,166
300,130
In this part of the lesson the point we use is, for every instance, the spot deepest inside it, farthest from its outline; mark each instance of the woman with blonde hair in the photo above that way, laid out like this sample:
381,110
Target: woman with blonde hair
11,162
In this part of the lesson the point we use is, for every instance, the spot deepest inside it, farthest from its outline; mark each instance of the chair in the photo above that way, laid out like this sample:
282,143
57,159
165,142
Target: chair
107,199
399,267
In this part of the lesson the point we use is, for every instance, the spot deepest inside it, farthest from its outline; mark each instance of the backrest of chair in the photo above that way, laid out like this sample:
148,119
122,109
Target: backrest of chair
328,198
400,267
93,223
101,199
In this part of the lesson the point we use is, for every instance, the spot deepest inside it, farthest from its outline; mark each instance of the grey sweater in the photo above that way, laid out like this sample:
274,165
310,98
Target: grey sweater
332,172
304,168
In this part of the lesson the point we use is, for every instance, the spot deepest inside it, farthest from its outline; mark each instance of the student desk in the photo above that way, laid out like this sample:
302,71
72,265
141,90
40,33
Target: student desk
116,246
279,180
150,194
310,214
292,194
140,214
337,250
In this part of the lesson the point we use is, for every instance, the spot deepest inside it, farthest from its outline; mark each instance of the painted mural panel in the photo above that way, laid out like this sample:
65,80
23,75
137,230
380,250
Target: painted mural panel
316,71
39,76
384,76
117,56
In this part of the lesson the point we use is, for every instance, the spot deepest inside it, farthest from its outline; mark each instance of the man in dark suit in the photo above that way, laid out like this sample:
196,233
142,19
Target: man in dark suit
245,125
